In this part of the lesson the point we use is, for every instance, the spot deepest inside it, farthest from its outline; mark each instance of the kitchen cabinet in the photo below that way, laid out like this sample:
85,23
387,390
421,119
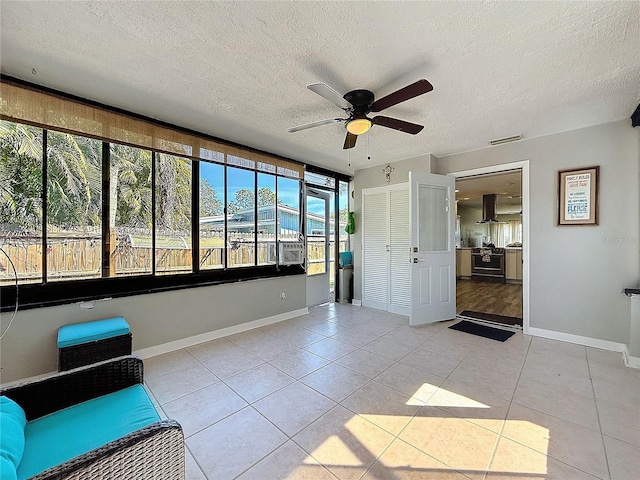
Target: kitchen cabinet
463,262
514,265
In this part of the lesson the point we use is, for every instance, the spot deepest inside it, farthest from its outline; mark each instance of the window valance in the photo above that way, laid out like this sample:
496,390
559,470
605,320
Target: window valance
30,105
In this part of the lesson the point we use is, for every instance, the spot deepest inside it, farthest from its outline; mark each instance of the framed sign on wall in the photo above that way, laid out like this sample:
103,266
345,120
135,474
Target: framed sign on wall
578,196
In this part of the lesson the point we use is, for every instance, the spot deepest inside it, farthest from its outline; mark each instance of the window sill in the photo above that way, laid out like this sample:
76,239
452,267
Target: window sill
62,293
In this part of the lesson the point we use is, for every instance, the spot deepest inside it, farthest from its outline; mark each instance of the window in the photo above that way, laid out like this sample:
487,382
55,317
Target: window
212,219
343,205
241,217
74,207
20,203
266,219
316,239
130,229
173,214
102,194
288,214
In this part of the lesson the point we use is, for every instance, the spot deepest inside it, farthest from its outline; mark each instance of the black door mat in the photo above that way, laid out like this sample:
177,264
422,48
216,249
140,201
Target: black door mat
491,317
482,330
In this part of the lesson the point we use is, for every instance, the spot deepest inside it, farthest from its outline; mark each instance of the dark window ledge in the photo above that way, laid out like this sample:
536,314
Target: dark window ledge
62,293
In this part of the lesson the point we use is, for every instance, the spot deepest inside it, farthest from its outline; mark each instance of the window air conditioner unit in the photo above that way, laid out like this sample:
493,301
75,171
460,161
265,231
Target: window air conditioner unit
291,253
272,252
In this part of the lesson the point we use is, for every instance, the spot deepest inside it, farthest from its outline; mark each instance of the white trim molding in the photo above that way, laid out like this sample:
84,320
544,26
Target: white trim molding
215,334
523,165
632,362
356,302
629,360
578,339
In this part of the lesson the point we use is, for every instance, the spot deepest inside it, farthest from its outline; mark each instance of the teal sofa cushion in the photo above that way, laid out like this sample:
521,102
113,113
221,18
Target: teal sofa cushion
79,333
9,407
7,469
12,423
68,433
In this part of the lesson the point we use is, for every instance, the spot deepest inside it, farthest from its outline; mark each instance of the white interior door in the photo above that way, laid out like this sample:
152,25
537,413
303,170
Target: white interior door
433,269
400,250
375,249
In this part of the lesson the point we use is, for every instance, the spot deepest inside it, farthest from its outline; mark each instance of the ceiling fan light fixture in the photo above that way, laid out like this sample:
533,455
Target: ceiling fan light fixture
358,126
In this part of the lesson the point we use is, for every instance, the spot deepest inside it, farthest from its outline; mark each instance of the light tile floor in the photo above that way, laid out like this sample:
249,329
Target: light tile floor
354,393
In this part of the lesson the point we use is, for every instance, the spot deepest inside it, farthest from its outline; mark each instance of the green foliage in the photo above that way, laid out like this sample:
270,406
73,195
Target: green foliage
131,186
173,193
210,205
74,180
266,196
74,184
20,176
245,199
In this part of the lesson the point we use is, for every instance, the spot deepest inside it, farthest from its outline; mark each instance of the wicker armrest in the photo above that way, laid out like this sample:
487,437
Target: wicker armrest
50,394
156,451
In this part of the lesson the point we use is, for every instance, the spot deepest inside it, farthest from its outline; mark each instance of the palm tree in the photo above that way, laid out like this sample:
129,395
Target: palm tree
74,180
20,176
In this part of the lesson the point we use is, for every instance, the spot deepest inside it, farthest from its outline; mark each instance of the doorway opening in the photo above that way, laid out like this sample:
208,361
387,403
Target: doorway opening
320,245
490,237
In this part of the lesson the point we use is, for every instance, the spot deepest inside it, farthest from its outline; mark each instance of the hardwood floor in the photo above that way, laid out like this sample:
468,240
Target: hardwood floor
487,297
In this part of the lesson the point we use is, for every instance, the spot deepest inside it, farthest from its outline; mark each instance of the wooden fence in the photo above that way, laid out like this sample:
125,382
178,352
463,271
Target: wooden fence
70,257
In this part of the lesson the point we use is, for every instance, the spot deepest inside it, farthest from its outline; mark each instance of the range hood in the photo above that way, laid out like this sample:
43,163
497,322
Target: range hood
489,209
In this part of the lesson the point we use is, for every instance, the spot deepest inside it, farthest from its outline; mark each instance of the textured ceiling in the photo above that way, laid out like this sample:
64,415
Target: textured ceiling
239,70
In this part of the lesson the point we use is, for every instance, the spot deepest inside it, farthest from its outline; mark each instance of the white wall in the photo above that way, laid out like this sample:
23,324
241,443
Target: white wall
29,347
577,273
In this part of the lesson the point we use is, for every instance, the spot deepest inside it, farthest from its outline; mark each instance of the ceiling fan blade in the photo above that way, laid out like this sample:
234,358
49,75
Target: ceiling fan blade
410,91
350,141
314,124
396,124
330,94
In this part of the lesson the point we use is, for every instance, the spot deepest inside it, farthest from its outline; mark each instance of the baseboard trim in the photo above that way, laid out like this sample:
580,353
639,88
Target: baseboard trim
578,339
633,362
357,303
629,360
213,335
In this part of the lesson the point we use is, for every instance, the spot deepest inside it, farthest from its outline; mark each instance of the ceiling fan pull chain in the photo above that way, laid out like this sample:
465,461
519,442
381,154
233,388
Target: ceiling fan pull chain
349,156
369,146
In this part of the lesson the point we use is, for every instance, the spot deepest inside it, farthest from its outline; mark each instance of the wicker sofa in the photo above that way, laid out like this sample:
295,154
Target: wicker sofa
89,395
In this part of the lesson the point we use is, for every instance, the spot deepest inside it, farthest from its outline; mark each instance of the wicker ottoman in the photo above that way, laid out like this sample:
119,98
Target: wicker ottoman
86,343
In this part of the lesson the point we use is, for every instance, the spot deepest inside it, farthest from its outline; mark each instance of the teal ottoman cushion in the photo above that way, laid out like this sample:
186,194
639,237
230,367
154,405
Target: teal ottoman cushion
12,423
68,433
79,333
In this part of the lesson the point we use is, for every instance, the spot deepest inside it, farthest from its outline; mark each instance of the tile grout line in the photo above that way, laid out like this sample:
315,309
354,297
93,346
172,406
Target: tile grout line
368,382
553,416
513,395
595,401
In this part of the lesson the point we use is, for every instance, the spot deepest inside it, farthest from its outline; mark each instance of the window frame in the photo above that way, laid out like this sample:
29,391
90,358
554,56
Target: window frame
46,293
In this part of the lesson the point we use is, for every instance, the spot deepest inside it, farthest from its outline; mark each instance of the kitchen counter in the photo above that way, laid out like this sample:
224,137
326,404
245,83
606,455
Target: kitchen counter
514,264
463,262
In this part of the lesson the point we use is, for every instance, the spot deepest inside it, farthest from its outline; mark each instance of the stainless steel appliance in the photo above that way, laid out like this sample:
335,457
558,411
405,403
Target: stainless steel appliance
488,264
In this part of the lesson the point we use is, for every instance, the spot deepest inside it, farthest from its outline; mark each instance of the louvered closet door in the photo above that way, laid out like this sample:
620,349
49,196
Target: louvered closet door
375,258
400,245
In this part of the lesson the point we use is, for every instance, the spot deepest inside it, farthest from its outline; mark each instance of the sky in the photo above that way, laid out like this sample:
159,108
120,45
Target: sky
239,179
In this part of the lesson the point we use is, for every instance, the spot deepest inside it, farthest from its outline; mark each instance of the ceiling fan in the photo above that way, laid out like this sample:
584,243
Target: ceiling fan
357,104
